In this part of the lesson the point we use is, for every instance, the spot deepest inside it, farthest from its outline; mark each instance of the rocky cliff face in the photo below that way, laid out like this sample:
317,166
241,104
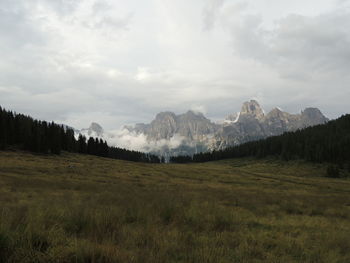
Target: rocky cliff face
252,109
253,124
250,123
192,129
95,130
192,132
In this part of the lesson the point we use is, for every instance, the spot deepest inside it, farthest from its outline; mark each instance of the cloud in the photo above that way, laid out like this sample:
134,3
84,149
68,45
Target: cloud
298,46
137,141
60,7
16,28
343,2
199,109
210,13
121,62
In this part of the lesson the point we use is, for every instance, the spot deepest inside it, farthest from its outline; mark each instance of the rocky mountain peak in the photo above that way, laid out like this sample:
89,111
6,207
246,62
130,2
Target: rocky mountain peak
166,115
253,109
95,128
312,113
275,113
232,118
312,116
163,127
192,132
192,115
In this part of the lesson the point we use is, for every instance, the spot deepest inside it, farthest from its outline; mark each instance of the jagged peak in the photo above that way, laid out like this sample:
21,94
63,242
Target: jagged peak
164,114
192,113
252,108
313,113
232,118
95,126
94,129
311,110
275,111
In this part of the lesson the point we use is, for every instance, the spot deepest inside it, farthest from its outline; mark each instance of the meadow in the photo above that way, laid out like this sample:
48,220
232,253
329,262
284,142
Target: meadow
81,208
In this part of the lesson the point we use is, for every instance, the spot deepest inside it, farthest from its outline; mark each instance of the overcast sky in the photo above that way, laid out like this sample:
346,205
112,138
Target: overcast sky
119,62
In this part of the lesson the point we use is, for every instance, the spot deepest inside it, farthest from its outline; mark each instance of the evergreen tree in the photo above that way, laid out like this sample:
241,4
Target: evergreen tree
91,148
82,147
328,142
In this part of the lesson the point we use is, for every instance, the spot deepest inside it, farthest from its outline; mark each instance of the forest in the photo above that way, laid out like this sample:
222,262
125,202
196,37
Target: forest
18,131
328,142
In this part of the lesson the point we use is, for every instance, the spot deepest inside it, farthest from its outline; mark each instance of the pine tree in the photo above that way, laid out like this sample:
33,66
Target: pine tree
91,146
82,147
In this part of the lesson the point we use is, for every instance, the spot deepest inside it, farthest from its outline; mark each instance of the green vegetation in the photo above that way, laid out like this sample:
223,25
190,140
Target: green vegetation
82,208
328,142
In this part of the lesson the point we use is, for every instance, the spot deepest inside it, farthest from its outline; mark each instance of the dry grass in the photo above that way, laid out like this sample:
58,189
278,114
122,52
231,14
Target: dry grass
76,208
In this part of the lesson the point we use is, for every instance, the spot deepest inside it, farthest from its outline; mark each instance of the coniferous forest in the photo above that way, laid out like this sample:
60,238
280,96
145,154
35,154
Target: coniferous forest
18,131
328,142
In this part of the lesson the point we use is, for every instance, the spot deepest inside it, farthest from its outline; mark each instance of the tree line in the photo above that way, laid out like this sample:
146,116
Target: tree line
23,132
328,142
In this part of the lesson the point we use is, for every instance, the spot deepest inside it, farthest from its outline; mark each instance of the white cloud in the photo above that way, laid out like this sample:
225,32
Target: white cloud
199,109
119,62
210,13
125,139
298,44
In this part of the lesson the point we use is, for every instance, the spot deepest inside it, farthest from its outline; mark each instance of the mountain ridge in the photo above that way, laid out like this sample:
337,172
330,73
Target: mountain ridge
196,133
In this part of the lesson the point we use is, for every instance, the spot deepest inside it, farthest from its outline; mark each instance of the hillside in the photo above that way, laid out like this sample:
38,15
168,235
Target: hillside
81,208
329,142
19,131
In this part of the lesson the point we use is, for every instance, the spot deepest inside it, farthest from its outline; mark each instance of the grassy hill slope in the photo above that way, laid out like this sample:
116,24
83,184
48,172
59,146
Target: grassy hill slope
79,208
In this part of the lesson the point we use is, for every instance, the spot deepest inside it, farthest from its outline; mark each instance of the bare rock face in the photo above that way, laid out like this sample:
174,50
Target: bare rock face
252,109
194,133
311,117
190,125
277,122
194,126
163,127
252,124
232,117
95,130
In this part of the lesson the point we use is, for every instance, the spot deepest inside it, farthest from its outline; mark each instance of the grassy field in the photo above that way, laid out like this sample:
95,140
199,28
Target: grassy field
76,208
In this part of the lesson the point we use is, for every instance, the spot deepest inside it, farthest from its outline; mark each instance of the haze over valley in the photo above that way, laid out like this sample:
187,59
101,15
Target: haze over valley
189,133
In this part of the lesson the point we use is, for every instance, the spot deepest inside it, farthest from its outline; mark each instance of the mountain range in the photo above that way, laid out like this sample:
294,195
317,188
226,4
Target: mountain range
191,132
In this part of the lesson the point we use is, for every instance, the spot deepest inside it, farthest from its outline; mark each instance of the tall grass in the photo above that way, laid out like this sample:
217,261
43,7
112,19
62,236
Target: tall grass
109,211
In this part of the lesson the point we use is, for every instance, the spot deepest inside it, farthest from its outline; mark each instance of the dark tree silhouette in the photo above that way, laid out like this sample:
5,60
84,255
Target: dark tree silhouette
328,142
23,132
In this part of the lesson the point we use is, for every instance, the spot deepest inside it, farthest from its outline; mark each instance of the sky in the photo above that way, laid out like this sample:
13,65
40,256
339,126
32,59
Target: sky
120,62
